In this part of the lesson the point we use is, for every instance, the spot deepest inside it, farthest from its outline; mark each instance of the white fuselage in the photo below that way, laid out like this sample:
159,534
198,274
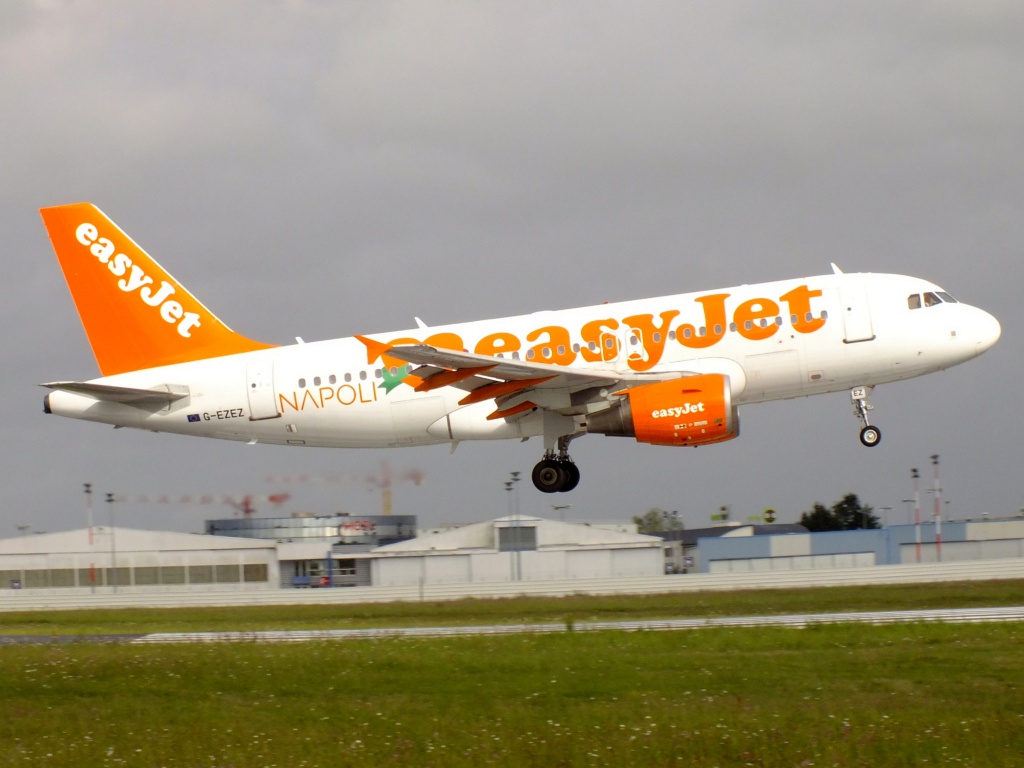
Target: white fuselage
774,340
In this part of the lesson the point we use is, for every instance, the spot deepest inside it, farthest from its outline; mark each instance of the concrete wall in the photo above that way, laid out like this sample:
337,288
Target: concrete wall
533,565
55,599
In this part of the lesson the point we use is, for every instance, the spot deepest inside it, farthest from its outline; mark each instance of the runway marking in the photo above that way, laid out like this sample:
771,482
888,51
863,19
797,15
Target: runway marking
948,616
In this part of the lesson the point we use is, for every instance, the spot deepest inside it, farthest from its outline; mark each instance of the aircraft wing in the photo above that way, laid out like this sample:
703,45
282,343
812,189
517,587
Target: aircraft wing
518,386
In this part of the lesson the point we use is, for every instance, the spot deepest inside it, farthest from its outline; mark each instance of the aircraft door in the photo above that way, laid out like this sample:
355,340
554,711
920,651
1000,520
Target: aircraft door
260,387
856,315
632,347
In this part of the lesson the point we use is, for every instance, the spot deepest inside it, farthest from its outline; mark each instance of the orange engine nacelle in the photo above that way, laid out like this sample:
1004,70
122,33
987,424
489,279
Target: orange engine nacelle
694,410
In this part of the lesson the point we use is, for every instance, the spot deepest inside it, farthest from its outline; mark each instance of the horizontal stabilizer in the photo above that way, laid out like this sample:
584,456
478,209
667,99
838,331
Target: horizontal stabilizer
164,395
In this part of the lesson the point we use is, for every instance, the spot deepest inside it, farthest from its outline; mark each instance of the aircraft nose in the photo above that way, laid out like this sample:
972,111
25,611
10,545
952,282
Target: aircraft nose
987,331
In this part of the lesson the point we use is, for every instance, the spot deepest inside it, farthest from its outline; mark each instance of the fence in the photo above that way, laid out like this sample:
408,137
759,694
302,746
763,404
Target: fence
57,599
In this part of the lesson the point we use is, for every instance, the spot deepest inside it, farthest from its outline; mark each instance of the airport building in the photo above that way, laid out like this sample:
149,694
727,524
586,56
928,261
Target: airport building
124,558
682,547
750,548
321,550
508,549
517,548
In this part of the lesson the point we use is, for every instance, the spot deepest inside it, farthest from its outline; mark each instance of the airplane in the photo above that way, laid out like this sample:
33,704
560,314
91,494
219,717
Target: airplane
669,371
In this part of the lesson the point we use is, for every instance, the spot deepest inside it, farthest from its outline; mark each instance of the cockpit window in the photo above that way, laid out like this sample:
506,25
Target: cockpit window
930,299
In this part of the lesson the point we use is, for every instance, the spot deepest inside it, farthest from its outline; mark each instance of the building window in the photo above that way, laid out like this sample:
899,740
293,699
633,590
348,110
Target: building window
517,539
172,574
227,574
254,572
200,574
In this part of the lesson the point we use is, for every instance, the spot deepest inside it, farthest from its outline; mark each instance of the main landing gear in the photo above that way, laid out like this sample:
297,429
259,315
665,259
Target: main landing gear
869,435
556,473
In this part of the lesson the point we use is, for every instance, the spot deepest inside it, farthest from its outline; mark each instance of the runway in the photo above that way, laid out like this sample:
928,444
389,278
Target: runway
795,621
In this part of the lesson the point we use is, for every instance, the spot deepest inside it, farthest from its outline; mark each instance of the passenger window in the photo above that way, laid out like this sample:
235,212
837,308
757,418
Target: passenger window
332,379
930,300
302,383
316,381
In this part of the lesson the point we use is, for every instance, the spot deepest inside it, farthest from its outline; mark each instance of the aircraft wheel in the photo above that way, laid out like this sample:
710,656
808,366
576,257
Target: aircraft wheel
870,436
549,476
572,476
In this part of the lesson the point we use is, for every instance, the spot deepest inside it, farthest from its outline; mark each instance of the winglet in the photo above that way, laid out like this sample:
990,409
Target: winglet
135,314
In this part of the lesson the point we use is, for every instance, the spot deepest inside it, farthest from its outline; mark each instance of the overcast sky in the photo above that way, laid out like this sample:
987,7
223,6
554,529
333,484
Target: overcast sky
325,169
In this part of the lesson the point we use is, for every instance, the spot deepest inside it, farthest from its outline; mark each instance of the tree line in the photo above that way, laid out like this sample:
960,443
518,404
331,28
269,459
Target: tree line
847,514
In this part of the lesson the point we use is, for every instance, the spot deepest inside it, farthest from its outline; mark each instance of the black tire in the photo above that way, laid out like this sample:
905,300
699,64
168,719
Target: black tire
572,476
549,476
870,436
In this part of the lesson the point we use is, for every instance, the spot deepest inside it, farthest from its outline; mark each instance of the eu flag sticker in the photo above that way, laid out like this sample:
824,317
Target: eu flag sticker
193,417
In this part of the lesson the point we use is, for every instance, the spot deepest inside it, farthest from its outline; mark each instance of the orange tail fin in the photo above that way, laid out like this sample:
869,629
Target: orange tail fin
135,314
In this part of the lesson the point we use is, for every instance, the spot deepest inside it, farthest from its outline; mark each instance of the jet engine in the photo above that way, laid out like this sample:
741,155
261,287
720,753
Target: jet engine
693,410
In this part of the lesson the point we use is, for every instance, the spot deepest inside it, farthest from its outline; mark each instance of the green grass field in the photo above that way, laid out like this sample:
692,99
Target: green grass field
516,611
850,695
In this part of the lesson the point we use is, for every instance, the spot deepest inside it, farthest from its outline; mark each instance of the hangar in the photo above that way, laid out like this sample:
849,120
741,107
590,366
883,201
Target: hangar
517,548
117,558
750,550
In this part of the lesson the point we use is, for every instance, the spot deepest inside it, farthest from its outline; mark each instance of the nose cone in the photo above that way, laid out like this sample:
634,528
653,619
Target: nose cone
986,331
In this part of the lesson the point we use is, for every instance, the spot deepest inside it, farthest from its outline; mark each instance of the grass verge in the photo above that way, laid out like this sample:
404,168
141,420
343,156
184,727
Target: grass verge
517,610
909,695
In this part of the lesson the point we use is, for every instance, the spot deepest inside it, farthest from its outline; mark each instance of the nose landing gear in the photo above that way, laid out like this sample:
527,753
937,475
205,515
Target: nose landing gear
869,435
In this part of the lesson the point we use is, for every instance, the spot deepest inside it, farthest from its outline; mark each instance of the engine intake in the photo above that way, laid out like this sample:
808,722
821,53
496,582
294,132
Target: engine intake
694,410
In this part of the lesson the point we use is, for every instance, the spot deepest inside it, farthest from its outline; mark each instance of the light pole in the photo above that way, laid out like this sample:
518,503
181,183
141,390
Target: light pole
89,525
513,495
113,542
917,512
885,515
938,509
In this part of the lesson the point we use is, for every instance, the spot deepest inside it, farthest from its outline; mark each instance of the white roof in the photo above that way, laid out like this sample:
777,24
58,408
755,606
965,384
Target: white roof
126,540
551,534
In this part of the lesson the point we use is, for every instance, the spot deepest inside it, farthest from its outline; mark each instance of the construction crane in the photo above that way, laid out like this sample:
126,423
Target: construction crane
383,480
245,505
